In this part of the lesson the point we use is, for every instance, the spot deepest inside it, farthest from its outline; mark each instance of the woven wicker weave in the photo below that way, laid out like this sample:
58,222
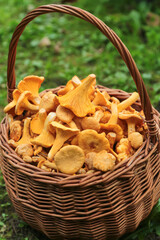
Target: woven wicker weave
96,206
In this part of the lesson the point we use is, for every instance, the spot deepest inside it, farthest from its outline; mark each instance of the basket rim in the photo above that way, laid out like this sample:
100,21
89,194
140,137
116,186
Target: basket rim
123,169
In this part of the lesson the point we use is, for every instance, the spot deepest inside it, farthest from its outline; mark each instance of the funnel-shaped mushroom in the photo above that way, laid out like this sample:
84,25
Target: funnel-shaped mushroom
78,100
23,103
31,83
69,159
49,102
62,135
101,100
90,141
37,123
46,138
10,107
128,102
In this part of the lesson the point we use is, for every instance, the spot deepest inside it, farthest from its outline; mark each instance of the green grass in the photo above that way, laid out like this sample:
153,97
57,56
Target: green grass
78,48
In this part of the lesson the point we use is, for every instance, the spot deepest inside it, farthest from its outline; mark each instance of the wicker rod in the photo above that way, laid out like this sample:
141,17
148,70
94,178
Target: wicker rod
110,34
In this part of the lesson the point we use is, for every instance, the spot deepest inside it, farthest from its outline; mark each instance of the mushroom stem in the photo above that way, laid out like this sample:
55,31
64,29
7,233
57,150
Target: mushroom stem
114,116
131,126
26,135
128,102
98,115
58,143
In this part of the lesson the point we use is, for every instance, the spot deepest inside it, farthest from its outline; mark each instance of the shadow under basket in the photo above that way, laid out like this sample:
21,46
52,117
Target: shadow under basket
95,206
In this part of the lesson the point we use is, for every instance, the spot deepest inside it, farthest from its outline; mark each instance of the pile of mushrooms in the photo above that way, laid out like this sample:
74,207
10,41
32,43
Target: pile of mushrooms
78,130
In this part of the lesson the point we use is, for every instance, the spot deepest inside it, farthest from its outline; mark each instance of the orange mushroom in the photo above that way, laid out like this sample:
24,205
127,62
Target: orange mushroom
78,100
69,159
37,123
11,106
32,84
128,102
111,125
100,99
64,114
62,135
15,130
92,122
46,138
49,102
124,149
91,141
104,161
24,103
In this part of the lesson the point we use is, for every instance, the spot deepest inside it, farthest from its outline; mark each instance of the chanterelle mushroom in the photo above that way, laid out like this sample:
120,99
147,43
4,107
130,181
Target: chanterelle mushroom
132,119
62,135
124,149
37,123
128,102
78,100
69,159
46,138
64,114
135,138
26,138
100,99
24,150
111,125
92,122
23,103
15,130
49,102
9,108
32,84
104,161
90,141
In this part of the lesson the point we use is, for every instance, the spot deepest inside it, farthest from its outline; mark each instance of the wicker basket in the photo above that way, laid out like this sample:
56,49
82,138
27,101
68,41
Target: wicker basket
96,206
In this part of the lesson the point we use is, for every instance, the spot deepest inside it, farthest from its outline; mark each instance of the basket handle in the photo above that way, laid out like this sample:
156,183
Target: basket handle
110,34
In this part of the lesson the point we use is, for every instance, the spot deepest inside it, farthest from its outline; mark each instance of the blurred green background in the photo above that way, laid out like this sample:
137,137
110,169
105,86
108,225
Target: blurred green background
59,46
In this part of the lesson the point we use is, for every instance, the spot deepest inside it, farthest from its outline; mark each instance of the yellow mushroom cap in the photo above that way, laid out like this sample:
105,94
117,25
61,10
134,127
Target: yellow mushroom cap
64,114
104,161
69,159
31,83
136,139
23,103
90,141
11,105
49,102
78,100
